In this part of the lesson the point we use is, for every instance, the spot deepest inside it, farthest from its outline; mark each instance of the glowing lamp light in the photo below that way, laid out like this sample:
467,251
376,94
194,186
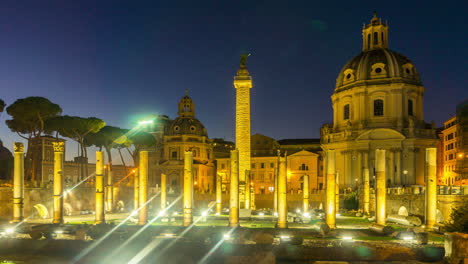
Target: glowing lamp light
407,238
204,213
145,122
285,238
134,213
348,238
58,232
276,214
298,211
306,215
175,213
226,236
261,214
9,230
168,235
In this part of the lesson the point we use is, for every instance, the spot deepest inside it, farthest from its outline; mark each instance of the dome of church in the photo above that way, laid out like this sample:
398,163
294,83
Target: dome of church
186,126
379,66
186,123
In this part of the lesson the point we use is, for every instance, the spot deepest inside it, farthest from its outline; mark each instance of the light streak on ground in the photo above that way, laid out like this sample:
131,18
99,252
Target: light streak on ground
142,254
215,247
97,242
139,231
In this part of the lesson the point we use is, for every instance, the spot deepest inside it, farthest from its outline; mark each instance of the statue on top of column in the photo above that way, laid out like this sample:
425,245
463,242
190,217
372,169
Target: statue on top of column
243,65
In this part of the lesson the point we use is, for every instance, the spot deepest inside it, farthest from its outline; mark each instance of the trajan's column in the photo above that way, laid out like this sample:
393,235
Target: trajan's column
243,83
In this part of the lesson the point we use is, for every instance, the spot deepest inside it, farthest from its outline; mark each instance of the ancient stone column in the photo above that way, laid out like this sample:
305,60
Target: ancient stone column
431,187
366,187
219,199
163,191
282,192
331,189
398,167
58,182
337,192
234,190
136,189
243,84
247,189
275,191
110,189
188,188
305,192
18,183
381,194
143,188
252,196
99,203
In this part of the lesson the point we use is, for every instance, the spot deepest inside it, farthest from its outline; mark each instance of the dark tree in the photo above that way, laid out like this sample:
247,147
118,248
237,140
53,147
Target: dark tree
28,121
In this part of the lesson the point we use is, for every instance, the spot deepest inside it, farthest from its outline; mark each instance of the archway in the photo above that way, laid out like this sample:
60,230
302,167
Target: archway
41,211
403,211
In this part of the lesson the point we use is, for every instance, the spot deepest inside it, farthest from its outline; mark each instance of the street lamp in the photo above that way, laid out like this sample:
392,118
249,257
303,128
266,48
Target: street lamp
145,122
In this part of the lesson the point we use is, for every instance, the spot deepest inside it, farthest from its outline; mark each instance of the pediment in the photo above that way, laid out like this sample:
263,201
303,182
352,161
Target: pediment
381,134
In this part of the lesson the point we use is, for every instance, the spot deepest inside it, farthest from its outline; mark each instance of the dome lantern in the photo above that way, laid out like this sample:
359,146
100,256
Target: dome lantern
375,34
186,106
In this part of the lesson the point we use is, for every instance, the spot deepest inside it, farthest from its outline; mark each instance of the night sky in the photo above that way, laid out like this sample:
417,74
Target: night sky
122,60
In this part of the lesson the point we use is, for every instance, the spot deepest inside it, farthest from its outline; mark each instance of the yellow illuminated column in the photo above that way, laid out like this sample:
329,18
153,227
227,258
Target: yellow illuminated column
275,194
243,84
136,189
143,188
163,191
337,192
219,201
58,182
100,217
234,190
188,188
252,196
431,187
110,189
305,192
381,186
247,189
282,190
366,187
18,183
331,189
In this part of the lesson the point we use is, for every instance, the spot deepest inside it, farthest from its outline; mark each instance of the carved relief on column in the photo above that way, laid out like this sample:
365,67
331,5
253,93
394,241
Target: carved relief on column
18,147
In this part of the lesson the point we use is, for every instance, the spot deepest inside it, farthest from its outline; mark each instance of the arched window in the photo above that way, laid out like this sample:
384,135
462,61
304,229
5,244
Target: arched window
378,107
346,112
410,107
368,41
382,37
376,38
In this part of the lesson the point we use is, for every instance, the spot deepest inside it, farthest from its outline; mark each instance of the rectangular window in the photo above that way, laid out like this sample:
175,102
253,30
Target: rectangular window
253,165
262,165
223,166
450,136
346,112
272,165
410,107
174,155
378,107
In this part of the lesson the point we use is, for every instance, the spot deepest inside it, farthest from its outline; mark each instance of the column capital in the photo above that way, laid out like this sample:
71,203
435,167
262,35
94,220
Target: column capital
18,147
58,146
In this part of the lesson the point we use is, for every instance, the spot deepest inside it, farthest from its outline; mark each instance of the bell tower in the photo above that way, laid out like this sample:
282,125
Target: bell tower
375,34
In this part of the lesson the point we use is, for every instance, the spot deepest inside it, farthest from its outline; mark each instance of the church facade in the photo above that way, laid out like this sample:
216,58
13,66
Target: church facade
378,104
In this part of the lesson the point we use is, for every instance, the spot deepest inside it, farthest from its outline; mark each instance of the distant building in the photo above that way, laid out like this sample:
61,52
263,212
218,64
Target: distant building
6,163
264,162
453,168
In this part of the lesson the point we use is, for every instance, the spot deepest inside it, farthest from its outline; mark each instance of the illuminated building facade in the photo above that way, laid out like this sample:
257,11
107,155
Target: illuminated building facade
378,104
